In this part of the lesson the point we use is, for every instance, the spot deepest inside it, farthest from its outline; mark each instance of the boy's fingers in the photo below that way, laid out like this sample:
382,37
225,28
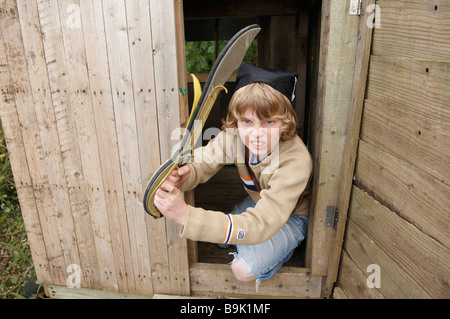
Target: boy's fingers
167,187
183,170
158,200
173,179
160,193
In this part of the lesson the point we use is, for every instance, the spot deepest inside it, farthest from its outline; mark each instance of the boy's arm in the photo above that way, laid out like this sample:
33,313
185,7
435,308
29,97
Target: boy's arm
208,160
259,223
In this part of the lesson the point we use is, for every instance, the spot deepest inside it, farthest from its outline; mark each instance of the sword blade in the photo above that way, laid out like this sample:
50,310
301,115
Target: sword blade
226,63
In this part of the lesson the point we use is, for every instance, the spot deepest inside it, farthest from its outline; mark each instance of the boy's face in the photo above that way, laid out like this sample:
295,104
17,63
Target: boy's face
261,137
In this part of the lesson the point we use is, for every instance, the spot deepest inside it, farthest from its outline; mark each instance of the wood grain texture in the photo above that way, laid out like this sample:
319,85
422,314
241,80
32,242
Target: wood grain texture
412,86
413,29
80,104
421,257
416,196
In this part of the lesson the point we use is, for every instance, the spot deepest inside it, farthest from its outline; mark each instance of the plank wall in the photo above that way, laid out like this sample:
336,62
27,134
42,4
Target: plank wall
89,102
399,211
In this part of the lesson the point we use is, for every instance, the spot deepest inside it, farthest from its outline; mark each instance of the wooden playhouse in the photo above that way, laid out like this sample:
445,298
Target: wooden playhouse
91,95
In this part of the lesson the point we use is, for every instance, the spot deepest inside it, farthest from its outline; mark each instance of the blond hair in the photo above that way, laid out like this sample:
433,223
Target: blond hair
267,103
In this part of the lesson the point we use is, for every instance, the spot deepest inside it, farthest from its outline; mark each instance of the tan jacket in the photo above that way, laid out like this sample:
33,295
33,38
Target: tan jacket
283,177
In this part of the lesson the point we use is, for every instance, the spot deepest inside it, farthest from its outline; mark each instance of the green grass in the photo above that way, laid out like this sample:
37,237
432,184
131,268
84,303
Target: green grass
16,266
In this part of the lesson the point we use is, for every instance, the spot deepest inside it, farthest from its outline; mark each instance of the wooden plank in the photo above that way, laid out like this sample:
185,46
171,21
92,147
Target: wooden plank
63,292
41,94
351,143
354,282
312,99
283,43
394,281
197,9
413,86
416,196
19,91
158,296
141,52
69,125
166,74
164,37
302,43
140,46
17,152
420,256
413,29
77,72
117,39
103,112
418,140
217,279
339,36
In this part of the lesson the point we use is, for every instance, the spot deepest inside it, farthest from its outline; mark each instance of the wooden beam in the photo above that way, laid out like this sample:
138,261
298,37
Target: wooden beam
217,279
338,56
196,9
63,292
350,145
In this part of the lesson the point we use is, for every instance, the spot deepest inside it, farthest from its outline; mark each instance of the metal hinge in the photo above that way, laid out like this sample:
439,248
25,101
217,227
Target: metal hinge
331,217
356,8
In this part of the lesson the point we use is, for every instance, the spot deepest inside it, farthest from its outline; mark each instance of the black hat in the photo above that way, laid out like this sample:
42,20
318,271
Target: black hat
283,82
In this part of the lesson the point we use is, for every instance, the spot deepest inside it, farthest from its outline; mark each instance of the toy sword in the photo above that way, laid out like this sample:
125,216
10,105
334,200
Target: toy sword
227,62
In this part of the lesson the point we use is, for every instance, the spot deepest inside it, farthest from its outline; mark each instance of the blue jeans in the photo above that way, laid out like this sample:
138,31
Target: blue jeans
265,259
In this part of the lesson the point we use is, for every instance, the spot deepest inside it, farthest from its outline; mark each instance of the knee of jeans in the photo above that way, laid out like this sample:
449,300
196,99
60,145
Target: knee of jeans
241,270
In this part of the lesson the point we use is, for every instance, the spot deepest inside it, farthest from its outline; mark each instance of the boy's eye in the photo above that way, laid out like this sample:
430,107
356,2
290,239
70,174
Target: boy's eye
246,121
269,122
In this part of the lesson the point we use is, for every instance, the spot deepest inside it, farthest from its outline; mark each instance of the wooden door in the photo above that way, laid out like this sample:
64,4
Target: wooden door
344,51
397,239
90,97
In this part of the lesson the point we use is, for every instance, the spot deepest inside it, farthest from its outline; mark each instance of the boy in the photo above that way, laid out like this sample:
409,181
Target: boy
259,137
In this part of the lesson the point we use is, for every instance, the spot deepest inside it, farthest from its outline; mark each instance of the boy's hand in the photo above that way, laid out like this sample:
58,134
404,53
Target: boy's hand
179,176
170,203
